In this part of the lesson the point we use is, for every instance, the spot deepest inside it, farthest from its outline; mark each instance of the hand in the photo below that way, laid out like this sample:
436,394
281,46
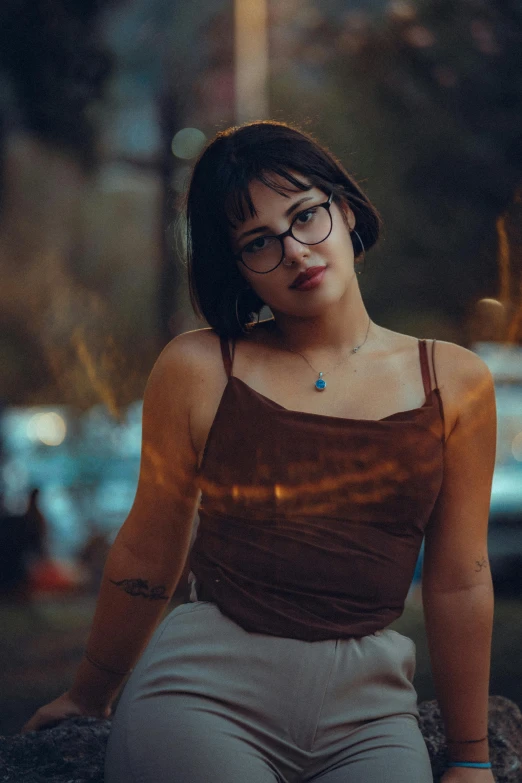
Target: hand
60,709
467,775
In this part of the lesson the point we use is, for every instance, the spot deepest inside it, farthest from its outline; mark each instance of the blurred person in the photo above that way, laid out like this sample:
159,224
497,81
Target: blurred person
13,570
318,448
43,574
23,545
36,527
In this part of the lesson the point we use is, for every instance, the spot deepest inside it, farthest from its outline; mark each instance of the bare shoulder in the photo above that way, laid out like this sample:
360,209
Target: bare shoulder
190,354
455,365
186,375
465,380
460,368
194,371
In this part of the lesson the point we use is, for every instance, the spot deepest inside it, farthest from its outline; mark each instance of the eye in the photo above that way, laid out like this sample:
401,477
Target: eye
306,217
258,244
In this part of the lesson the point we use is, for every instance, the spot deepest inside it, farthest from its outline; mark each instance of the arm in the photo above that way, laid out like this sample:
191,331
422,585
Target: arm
456,586
147,558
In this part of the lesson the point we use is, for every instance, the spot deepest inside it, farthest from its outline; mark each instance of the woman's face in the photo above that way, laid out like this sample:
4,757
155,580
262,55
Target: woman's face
334,255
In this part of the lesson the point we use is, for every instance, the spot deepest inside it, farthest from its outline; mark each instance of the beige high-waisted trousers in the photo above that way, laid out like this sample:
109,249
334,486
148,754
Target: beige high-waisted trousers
210,702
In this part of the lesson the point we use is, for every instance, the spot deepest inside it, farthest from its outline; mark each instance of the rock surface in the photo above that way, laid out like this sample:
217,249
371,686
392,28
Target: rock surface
505,738
73,751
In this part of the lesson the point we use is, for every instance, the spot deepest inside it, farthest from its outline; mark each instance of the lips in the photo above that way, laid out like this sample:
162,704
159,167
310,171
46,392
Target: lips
302,277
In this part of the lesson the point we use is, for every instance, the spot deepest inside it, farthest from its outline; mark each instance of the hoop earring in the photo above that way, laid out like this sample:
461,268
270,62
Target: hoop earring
360,264
242,291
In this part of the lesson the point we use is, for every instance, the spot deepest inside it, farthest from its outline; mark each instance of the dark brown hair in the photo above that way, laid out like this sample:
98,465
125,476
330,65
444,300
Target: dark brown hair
219,191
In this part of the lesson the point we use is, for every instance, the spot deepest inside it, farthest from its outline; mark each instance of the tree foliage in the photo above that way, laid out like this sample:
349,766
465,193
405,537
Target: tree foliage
426,100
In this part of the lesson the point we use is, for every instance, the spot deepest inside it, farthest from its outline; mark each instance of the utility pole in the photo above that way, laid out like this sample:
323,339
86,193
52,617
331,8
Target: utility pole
251,60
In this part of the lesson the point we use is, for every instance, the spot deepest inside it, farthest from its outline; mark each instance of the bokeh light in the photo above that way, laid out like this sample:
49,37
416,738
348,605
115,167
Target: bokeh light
402,11
49,428
187,143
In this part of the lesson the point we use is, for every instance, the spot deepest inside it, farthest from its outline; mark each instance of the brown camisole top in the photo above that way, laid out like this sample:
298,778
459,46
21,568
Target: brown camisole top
310,525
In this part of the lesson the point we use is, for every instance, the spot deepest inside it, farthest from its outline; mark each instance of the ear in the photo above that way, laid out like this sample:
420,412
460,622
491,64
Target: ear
348,215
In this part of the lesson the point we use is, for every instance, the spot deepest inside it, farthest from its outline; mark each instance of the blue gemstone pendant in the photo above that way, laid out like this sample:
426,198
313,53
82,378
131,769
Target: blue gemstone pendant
320,383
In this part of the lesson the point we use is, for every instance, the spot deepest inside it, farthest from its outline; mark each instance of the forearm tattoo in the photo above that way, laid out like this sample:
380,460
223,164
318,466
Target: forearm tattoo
481,564
141,588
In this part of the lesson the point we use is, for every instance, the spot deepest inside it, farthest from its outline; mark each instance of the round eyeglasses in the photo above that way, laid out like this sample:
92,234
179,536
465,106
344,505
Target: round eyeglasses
309,227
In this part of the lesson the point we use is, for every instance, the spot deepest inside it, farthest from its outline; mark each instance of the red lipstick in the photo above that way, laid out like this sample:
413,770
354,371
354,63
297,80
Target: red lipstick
308,279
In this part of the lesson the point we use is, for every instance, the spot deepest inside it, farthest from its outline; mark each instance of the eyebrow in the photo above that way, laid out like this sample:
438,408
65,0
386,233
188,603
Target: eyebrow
287,214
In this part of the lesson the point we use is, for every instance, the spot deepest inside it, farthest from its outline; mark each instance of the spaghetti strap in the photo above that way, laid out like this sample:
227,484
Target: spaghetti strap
423,354
433,363
437,390
225,353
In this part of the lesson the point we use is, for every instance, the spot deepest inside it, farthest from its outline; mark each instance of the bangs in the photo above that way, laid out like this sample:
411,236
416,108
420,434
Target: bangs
238,204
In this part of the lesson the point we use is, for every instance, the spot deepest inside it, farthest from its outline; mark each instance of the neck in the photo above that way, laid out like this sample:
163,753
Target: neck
341,328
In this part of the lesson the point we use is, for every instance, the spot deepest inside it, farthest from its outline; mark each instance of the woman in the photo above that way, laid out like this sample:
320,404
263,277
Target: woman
319,472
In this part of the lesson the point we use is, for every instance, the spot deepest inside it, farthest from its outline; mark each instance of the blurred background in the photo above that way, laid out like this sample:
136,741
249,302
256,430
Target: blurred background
104,104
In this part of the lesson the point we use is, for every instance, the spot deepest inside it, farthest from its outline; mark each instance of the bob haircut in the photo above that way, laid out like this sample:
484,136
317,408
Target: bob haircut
218,197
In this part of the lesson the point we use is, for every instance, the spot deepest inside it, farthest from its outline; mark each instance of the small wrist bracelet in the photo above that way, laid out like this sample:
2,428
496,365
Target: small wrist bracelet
473,764
104,668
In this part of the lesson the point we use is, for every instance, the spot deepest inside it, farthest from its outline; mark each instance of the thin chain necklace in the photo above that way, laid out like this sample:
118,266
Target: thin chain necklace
320,383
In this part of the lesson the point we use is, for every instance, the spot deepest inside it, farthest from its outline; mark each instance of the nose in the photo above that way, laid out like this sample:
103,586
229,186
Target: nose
293,251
